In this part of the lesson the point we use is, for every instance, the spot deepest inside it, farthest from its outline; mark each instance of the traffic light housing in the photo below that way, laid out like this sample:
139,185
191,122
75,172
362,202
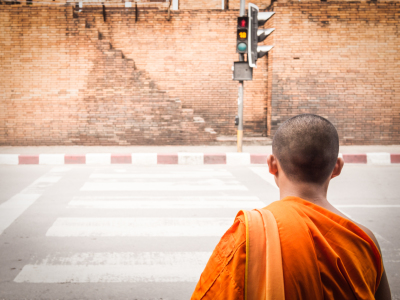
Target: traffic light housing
257,35
242,35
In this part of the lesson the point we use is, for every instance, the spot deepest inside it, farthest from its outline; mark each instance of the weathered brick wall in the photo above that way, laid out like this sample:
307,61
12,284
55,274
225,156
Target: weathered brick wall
262,4
62,84
339,60
200,4
55,91
191,57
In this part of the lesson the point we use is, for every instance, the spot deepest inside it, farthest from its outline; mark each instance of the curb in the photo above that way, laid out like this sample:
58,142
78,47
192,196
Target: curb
181,158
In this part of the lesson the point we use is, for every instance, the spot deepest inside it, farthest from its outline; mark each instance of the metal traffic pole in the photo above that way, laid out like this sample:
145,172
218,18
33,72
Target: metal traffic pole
240,93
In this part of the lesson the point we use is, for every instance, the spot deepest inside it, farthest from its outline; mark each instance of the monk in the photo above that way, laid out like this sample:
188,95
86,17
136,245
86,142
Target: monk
300,247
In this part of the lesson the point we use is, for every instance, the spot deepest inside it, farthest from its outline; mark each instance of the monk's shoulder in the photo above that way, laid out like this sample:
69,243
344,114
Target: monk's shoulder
282,209
370,234
233,238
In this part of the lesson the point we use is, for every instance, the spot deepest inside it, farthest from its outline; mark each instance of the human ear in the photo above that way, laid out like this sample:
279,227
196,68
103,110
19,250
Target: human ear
338,167
272,164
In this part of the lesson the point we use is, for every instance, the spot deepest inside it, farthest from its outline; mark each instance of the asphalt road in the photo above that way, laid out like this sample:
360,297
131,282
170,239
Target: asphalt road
129,232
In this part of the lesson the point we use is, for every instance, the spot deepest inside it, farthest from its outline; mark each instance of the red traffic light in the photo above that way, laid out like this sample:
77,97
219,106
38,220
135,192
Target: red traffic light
243,22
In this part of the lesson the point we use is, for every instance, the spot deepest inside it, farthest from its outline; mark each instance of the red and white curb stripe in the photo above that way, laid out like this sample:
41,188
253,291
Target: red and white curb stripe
181,158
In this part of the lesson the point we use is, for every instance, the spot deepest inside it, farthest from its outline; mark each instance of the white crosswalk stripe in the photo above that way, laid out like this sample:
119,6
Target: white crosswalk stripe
131,191
203,185
117,267
191,202
170,175
11,209
139,227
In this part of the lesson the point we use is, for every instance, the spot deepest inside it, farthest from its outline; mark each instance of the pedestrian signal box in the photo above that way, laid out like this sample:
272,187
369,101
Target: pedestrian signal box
242,35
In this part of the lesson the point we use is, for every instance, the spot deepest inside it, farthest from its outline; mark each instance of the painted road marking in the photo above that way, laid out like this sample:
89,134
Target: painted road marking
172,175
11,209
14,207
264,174
381,158
166,202
204,185
47,179
51,159
139,227
237,159
9,159
98,158
188,158
117,267
144,158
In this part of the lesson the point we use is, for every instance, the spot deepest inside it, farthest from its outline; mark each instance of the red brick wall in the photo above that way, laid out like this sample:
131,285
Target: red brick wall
339,60
200,4
262,4
63,85
191,57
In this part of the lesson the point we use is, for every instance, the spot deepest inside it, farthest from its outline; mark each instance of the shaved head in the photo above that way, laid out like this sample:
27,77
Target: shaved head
307,147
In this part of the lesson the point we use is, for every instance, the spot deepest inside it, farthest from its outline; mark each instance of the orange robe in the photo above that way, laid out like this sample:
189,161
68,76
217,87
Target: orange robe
324,256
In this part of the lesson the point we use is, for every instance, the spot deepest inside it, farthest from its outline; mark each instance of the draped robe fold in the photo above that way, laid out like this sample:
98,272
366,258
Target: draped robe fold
324,256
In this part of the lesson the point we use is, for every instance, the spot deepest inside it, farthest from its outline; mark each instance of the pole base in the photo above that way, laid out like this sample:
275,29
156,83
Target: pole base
239,140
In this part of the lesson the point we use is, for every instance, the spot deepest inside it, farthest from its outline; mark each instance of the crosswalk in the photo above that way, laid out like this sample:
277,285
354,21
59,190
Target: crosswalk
182,204
11,209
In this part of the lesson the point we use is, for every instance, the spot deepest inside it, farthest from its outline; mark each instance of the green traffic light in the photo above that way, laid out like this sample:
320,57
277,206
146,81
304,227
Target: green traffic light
242,47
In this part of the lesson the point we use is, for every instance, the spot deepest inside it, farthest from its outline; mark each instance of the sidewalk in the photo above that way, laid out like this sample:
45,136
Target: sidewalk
186,155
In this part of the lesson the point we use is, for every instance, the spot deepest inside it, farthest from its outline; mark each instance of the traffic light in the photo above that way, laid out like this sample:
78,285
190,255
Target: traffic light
256,35
242,35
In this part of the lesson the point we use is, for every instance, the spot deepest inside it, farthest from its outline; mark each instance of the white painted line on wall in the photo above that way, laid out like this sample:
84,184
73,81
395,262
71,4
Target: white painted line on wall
264,173
186,158
11,209
144,158
204,185
165,204
381,158
9,159
139,227
98,158
171,175
237,159
51,159
175,4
